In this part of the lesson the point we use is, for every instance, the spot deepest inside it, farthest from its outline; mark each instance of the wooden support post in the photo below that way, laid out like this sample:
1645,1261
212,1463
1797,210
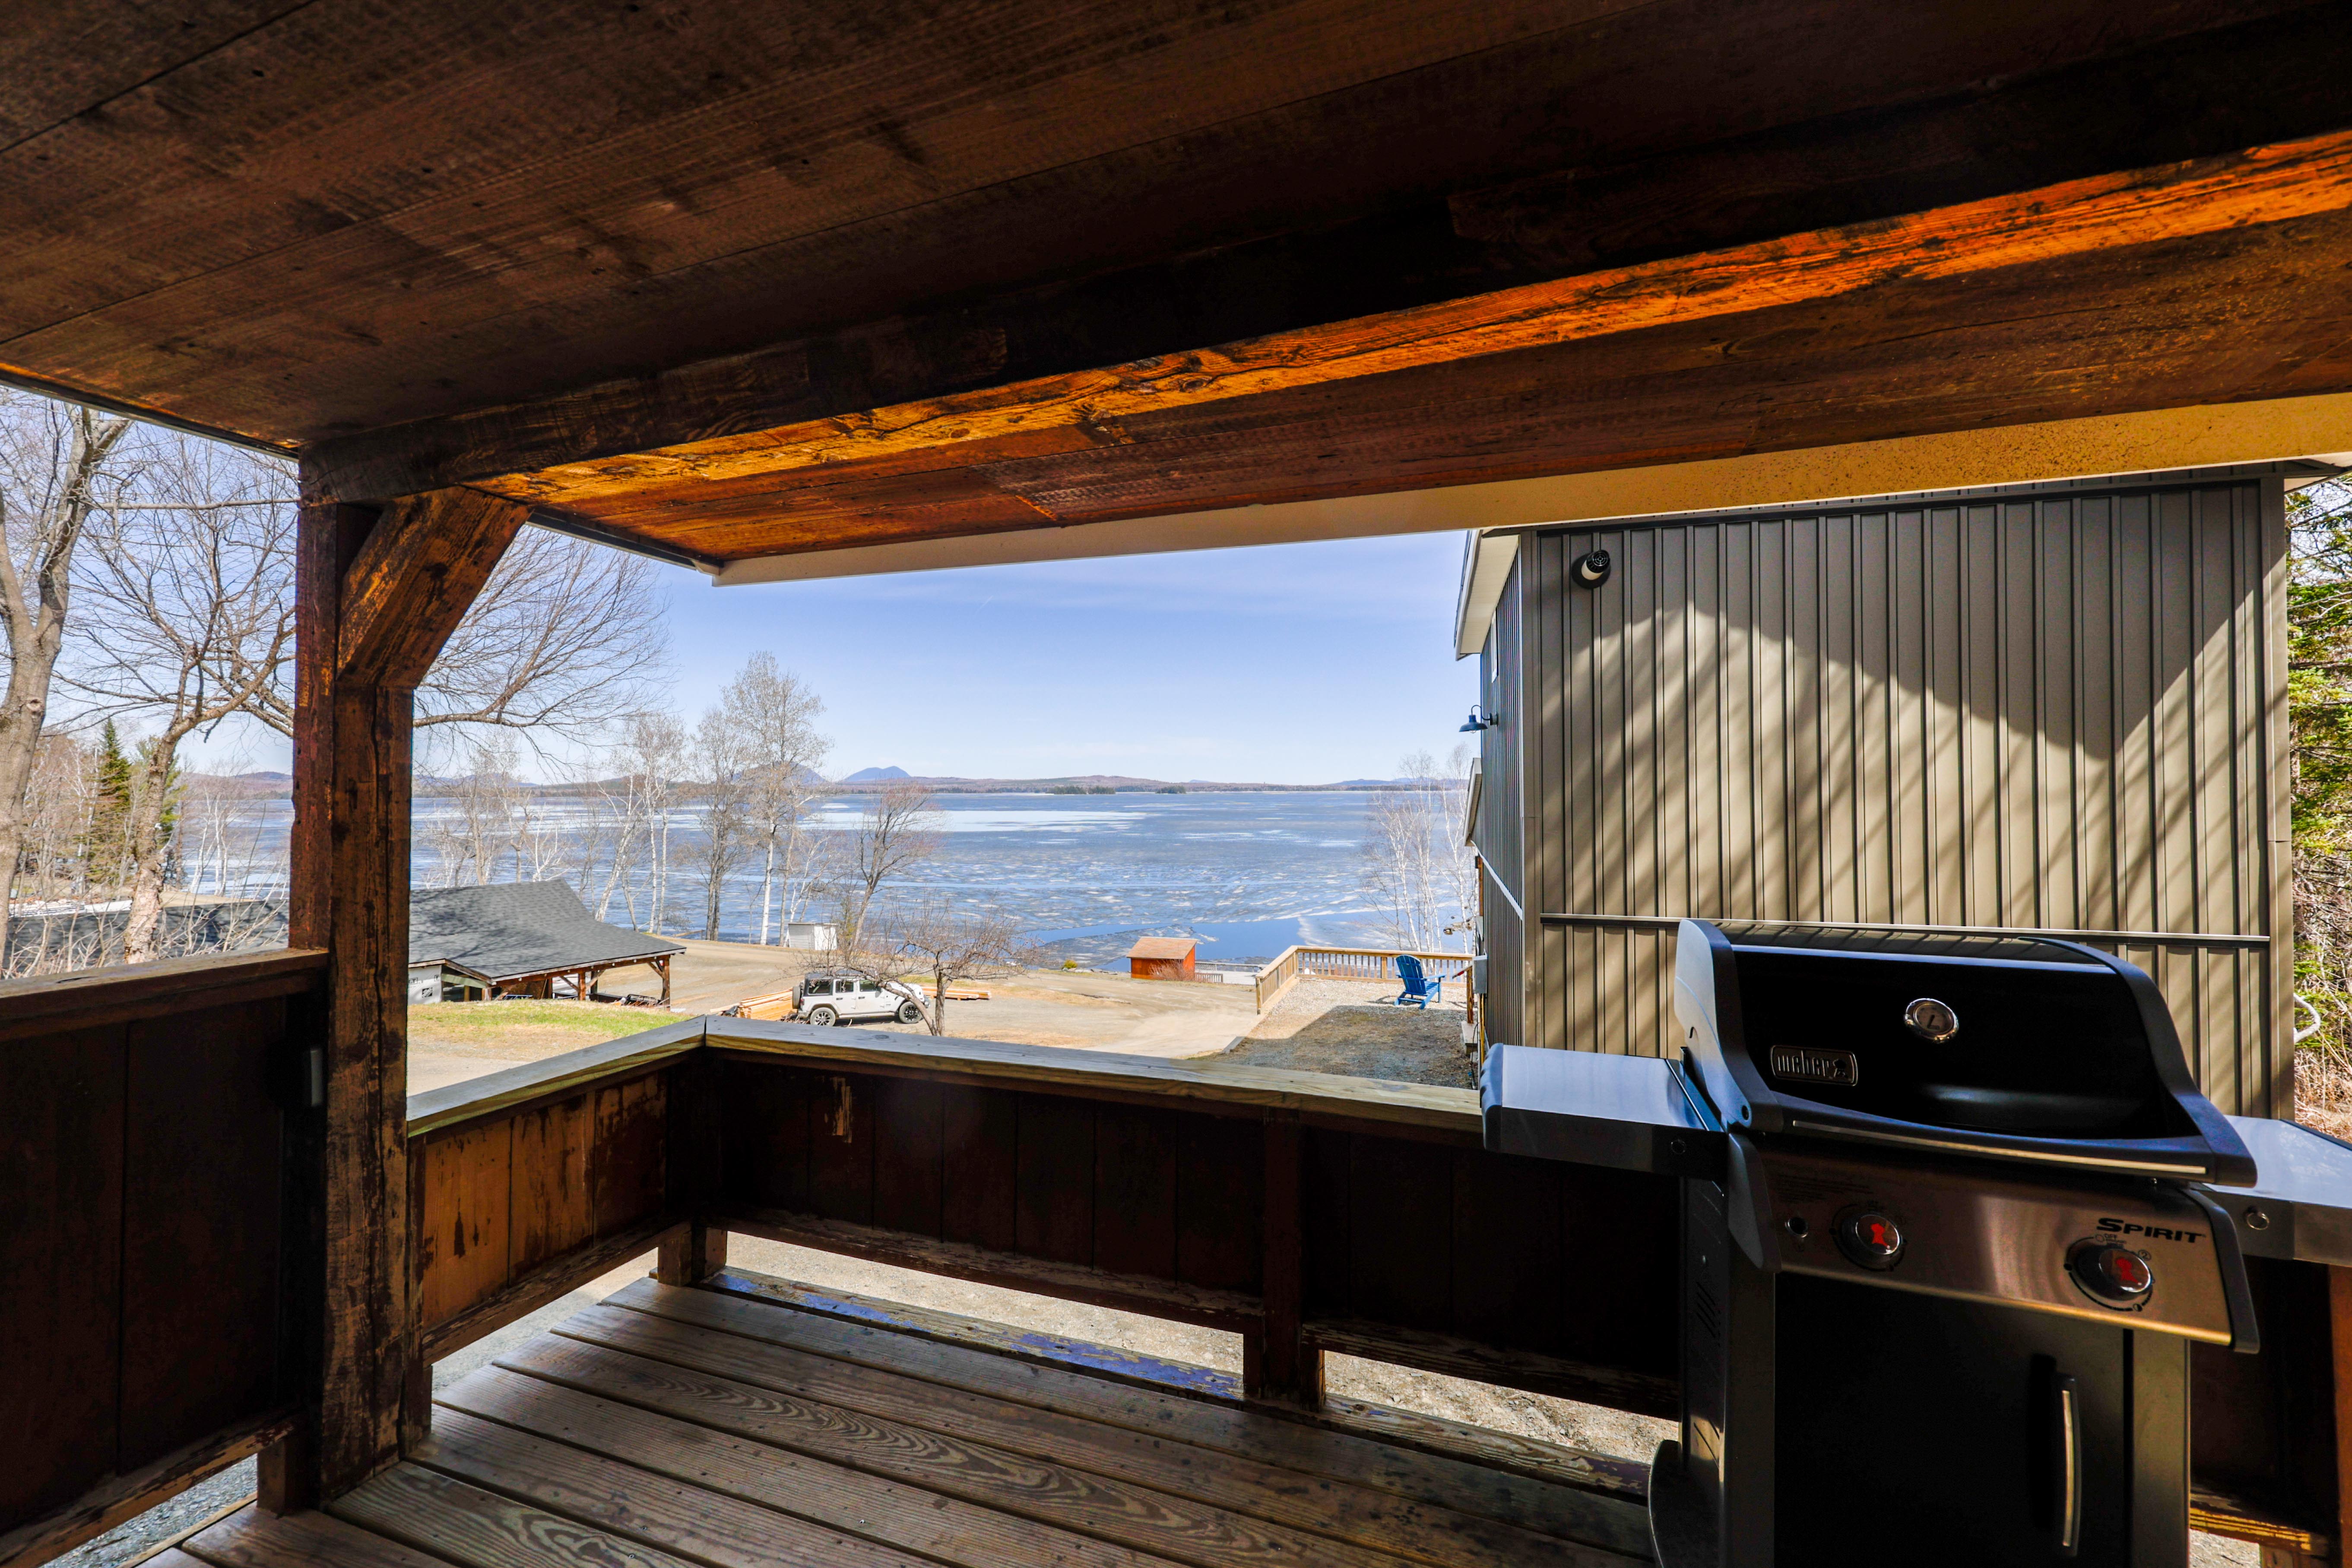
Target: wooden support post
1277,1363
695,1180
664,961
2339,1313
377,594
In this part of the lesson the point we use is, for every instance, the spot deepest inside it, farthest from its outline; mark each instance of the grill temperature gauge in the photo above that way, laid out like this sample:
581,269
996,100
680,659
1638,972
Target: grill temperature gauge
2111,1273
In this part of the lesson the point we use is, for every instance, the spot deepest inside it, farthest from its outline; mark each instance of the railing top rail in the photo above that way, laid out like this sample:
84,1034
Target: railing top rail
36,1005
1051,1069
497,1091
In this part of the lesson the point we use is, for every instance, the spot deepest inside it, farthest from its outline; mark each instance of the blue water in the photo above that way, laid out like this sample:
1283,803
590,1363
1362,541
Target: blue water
1249,874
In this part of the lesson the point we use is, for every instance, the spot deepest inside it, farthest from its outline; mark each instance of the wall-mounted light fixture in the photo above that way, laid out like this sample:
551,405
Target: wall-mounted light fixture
1592,570
1477,722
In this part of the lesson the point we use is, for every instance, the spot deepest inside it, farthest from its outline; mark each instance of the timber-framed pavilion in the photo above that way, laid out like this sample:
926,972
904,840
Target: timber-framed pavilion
802,290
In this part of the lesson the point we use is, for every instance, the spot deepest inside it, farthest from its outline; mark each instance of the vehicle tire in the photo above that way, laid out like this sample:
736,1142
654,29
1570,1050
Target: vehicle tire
909,1014
824,1018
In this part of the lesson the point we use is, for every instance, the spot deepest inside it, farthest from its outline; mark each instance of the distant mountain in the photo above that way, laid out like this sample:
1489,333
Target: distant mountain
876,776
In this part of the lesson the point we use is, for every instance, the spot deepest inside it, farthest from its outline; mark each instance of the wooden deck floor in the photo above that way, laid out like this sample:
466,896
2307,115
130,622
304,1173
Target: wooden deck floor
676,1427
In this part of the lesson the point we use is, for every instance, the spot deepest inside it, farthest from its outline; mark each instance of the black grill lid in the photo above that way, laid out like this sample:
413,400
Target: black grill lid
2016,1047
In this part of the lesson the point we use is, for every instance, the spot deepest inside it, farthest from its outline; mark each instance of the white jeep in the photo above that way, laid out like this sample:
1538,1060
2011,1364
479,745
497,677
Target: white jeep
829,996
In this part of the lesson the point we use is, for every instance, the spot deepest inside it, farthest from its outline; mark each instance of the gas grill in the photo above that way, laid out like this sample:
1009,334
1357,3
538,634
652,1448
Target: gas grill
1947,1236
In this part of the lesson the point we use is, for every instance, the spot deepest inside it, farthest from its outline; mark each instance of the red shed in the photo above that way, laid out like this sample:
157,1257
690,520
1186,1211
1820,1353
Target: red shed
1161,958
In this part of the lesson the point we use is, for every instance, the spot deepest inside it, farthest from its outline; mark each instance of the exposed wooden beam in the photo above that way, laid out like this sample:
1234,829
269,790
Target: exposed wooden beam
376,596
2007,133
412,581
2260,186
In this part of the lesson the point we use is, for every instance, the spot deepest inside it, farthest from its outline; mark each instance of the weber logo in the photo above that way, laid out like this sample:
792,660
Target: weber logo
1813,1064
2153,1232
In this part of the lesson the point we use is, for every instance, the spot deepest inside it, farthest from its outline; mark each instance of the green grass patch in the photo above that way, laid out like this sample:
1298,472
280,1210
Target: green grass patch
482,1023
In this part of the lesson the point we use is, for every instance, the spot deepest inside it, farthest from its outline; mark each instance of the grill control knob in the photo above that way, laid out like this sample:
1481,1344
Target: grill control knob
1870,1238
2111,1272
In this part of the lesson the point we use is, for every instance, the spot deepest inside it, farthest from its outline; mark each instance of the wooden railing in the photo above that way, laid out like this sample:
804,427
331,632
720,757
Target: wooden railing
1308,1214
154,1243
1296,963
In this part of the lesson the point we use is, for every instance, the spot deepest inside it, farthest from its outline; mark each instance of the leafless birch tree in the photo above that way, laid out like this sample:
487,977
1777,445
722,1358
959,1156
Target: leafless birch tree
729,830
773,715
54,468
1415,864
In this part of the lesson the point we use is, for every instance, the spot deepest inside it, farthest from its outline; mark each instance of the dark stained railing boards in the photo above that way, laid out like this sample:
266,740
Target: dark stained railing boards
1300,1211
151,1232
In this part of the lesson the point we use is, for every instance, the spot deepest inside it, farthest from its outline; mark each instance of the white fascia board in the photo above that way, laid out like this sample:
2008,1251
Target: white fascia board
1486,567
2205,437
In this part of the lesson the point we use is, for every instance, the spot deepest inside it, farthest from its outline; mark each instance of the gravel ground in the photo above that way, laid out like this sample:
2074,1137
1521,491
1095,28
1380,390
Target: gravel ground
1353,1027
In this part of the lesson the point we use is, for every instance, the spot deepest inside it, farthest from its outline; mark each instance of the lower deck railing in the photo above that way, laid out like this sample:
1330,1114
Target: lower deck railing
1293,964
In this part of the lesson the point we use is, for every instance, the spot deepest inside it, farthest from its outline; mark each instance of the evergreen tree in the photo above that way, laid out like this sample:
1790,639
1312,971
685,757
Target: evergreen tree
110,817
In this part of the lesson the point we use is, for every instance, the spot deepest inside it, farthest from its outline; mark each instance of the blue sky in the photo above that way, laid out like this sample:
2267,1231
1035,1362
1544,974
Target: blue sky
1286,663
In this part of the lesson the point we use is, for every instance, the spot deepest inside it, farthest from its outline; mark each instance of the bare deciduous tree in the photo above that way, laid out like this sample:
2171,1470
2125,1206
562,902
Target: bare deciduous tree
1415,863
187,596
566,638
655,750
894,833
773,714
54,463
729,831
939,943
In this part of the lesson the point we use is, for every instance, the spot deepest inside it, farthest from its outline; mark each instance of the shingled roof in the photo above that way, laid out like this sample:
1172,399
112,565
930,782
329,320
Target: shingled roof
513,929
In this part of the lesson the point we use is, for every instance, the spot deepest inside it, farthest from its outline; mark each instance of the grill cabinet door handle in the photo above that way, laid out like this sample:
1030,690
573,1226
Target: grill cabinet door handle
2070,1468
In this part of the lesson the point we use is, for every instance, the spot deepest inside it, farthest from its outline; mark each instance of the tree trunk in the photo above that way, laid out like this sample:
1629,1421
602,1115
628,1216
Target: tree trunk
149,843
938,1001
767,889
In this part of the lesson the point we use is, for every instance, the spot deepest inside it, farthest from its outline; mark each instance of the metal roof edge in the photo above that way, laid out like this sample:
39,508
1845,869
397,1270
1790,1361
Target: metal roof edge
1487,558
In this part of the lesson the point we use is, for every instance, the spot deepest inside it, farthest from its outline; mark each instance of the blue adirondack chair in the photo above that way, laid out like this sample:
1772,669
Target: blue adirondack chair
1418,989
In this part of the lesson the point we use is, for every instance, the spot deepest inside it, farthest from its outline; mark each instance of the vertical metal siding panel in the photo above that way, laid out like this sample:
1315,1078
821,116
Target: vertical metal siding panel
1945,737
1980,716
1630,961
1911,792
2056,662
1836,781
2097,694
1768,657
2135,794
2017,856
1876,850
2278,916
1611,814
1708,888
1560,758
1738,789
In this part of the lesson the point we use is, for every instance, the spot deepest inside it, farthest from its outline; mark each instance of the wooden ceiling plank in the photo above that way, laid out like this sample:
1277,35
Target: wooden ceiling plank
872,112
2258,187
1963,147
470,309
65,60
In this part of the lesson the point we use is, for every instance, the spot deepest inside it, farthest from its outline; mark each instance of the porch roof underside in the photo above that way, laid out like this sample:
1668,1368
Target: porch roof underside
798,291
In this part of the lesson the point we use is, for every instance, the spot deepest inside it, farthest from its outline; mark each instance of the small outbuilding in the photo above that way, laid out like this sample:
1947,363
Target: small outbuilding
518,939
1161,958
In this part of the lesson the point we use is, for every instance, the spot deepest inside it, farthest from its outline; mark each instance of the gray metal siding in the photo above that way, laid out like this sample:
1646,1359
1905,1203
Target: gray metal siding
1502,815
2046,710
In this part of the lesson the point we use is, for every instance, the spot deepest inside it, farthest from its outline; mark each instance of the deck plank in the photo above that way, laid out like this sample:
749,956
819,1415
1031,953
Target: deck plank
1051,1493
1371,1521
252,1538
1427,1529
625,1498
171,1557
904,1516
479,1529
1546,1506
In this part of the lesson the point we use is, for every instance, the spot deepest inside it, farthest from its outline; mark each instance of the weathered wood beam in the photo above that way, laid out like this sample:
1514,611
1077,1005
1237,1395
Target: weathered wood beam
412,581
2005,132
376,596
2256,187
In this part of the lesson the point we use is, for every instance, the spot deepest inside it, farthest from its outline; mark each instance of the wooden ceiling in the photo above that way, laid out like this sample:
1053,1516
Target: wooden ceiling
757,279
